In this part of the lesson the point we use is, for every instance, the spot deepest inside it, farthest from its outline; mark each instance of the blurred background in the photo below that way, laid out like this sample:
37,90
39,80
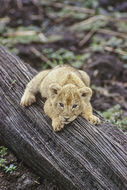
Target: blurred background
88,34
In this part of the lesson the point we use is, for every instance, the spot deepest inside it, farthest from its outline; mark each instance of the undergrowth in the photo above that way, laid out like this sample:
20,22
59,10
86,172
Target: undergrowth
64,56
109,30
8,168
116,116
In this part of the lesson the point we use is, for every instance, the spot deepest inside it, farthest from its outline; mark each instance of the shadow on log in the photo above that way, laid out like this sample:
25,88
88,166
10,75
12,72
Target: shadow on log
82,156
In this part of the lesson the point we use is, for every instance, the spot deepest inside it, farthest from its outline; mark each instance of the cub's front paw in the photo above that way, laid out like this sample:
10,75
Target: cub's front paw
92,119
57,125
27,99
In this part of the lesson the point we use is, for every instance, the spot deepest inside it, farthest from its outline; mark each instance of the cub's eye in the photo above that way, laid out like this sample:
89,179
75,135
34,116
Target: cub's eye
74,106
84,94
61,105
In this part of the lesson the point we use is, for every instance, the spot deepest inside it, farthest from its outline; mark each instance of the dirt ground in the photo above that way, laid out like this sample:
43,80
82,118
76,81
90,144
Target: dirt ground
107,69
23,178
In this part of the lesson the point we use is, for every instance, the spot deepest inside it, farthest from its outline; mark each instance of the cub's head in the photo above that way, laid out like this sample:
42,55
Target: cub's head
69,101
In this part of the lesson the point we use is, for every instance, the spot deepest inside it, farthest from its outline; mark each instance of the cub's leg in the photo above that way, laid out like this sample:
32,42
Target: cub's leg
85,78
88,115
32,88
56,122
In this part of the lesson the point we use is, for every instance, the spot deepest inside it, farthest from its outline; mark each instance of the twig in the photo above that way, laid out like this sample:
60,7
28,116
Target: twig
22,33
88,21
113,33
76,8
86,38
54,38
5,19
73,8
95,18
44,39
42,57
118,19
62,18
118,51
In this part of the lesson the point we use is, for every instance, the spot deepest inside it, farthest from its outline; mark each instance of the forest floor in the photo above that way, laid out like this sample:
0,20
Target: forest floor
87,36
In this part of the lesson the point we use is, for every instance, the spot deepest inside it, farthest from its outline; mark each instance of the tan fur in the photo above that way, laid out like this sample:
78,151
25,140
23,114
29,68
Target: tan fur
67,92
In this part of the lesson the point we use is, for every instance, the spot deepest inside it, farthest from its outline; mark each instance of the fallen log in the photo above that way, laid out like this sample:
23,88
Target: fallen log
80,157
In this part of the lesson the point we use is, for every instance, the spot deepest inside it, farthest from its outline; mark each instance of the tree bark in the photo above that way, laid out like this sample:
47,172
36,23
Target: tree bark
80,157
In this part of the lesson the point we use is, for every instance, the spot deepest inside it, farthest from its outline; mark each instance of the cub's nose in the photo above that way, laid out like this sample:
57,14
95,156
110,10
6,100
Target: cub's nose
66,118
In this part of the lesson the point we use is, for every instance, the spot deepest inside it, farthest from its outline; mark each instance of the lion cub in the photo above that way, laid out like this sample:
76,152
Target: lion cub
67,92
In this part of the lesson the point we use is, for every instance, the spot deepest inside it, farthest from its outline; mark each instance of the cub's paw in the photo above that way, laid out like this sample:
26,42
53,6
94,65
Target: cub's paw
57,125
27,99
94,120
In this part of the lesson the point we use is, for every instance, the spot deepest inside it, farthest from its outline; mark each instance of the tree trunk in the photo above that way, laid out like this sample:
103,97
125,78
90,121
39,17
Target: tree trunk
81,156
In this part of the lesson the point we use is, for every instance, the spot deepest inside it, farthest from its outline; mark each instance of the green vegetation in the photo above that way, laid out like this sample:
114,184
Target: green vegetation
19,35
113,44
91,4
101,25
3,162
64,56
115,116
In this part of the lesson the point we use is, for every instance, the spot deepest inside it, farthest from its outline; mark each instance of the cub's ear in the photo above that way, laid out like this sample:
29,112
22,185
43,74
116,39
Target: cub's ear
54,89
86,93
